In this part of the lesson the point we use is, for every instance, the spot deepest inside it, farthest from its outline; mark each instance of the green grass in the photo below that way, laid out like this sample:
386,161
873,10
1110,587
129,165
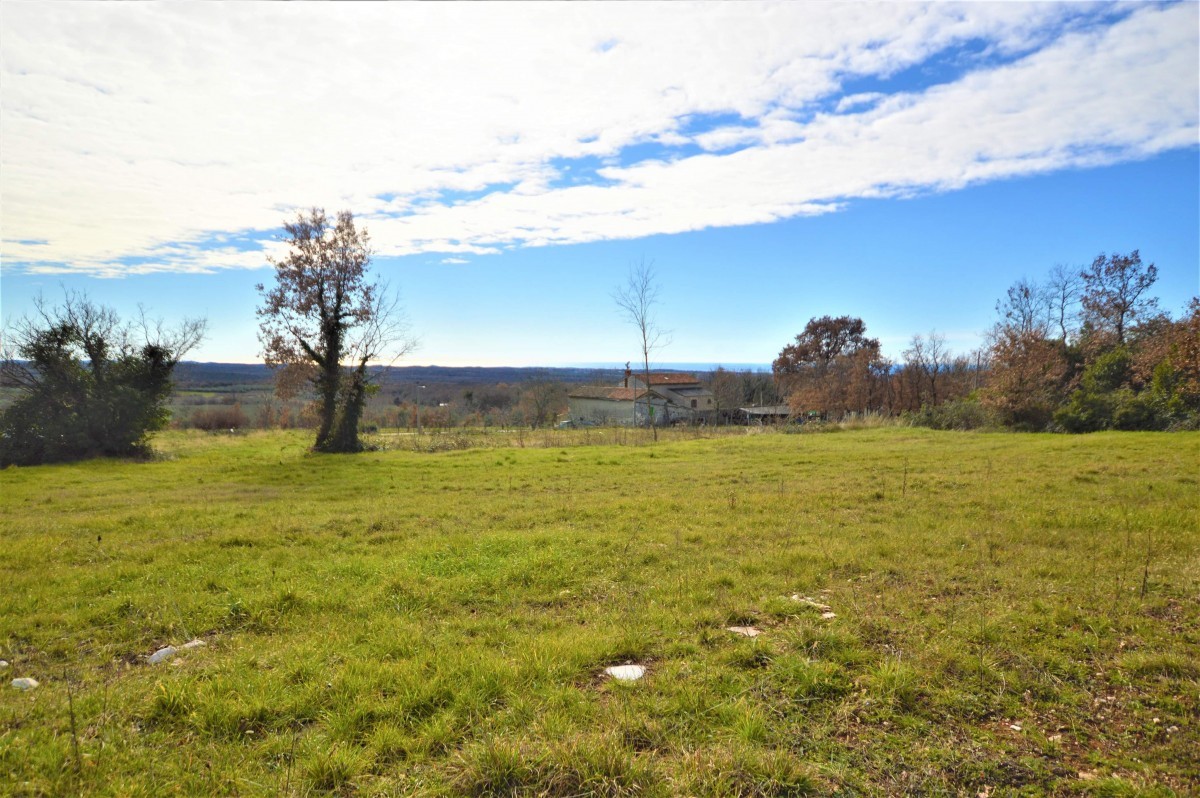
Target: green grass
1015,613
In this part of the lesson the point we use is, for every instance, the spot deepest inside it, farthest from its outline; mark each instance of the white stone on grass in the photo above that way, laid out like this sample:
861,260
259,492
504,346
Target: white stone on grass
25,683
626,673
828,615
744,631
163,653
166,652
3,664
811,602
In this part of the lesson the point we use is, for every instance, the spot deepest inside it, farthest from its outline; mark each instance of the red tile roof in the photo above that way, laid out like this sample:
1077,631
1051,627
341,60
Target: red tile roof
617,394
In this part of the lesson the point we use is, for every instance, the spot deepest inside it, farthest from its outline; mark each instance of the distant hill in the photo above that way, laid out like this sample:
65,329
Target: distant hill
190,373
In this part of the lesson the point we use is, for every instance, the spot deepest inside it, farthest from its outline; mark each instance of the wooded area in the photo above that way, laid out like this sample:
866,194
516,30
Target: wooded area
1077,352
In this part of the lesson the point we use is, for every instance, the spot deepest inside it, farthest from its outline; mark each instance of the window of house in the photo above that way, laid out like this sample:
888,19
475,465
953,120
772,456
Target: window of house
693,403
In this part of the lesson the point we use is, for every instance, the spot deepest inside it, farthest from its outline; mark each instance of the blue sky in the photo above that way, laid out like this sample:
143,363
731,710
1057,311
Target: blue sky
904,163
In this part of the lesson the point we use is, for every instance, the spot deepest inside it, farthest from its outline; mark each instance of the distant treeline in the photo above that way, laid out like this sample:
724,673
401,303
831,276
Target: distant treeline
425,397
212,375
1081,350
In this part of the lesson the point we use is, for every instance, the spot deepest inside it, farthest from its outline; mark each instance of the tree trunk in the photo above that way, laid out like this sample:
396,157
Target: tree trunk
328,384
327,394
345,438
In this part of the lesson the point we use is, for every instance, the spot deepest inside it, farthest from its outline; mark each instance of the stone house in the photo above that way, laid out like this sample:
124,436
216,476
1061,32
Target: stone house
669,397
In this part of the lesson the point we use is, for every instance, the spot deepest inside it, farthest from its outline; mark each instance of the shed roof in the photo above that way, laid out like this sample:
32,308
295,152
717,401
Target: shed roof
767,410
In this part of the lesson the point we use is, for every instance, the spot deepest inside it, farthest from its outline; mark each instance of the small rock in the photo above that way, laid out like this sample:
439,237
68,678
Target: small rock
626,673
828,615
1055,738
1087,775
744,631
1015,727
194,644
3,664
25,683
811,602
163,653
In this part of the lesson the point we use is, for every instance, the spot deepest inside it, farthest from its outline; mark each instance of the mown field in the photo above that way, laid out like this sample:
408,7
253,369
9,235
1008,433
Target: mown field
1013,615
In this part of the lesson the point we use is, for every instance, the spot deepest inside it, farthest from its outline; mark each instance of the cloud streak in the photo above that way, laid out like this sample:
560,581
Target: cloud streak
137,137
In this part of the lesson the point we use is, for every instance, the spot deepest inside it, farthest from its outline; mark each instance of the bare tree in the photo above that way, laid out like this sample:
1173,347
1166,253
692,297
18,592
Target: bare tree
635,302
726,387
1025,307
1062,295
541,400
323,313
927,358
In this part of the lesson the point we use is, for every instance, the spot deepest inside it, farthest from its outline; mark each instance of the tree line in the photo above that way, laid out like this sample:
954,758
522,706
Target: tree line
1079,351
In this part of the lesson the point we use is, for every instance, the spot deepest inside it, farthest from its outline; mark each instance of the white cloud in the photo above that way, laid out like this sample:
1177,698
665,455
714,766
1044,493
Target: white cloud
853,101
455,260
140,131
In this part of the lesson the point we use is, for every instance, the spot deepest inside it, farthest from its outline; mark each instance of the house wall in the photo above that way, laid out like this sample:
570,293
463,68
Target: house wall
601,411
703,399
661,416
609,411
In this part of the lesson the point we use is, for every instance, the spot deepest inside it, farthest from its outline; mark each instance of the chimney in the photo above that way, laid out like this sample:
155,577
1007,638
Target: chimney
628,372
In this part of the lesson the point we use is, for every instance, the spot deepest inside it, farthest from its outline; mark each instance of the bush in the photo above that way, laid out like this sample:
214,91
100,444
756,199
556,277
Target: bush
1085,412
958,414
1136,412
1108,372
1105,399
85,389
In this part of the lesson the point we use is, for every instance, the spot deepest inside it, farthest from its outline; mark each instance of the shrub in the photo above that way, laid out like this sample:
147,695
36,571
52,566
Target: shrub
86,389
1085,412
1106,400
958,414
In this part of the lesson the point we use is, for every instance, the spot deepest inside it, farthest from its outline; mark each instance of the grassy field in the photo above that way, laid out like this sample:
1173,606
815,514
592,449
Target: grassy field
1013,615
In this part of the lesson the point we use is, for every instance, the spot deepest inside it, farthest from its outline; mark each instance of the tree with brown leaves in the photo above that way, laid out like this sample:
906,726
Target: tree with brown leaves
1114,295
1027,380
830,367
323,322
